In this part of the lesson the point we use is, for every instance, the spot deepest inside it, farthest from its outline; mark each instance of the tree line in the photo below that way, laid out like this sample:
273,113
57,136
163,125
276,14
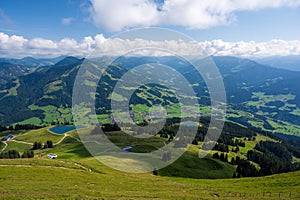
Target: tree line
39,145
20,127
12,154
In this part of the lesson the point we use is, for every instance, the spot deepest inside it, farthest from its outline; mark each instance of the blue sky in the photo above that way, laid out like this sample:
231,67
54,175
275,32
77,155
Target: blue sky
36,18
229,21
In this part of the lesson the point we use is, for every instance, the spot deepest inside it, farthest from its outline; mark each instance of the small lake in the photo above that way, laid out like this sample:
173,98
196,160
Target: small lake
64,129
189,123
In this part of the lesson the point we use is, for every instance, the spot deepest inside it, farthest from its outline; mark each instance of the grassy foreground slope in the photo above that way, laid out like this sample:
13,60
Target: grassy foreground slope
77,175
40,178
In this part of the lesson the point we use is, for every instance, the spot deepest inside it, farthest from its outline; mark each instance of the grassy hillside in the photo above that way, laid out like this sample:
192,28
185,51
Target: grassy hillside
70,147
40,178
77,175
40,135
190,166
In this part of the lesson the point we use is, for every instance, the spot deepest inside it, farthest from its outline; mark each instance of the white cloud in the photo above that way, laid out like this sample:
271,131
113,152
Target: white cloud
67,20
40,43
12,42
17,46
116,15
252,49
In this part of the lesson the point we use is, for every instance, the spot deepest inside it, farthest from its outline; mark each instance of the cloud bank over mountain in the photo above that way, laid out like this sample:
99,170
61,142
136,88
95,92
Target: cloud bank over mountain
117,15
15,46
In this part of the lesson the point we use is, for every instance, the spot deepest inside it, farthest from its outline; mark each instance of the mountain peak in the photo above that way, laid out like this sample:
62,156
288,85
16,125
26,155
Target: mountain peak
68,60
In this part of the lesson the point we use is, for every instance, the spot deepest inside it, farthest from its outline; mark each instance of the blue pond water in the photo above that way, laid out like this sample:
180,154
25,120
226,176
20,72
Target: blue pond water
64,129
189,123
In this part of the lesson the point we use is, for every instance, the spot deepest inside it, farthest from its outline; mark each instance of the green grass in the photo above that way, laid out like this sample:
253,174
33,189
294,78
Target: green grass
189,165
103,118
70,148
264,99
44,108
296,112
32,120
2,145
261,101
52,113
249,145
54,86
13,91
54,179
139,144
279,126
20,147
40,135
285,127
77,175
140,108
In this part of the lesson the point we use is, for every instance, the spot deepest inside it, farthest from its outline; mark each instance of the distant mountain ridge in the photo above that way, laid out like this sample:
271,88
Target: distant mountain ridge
281,62
257,95
9,71
33,62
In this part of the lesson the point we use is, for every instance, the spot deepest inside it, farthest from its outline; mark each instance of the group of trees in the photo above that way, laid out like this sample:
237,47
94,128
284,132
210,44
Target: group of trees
110,127
244,167
239,143
26,154
221,147
20,127
236,149
228,136
223,157
231,135
11,154
272,157
57,122
39,145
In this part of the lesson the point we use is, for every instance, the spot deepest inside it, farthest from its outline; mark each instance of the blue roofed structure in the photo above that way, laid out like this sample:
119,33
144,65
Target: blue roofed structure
127,149
8,137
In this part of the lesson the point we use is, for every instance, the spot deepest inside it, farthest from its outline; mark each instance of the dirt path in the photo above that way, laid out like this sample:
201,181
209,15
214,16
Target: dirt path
79,165
74,138
45,166
3,147
18,141
62,139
